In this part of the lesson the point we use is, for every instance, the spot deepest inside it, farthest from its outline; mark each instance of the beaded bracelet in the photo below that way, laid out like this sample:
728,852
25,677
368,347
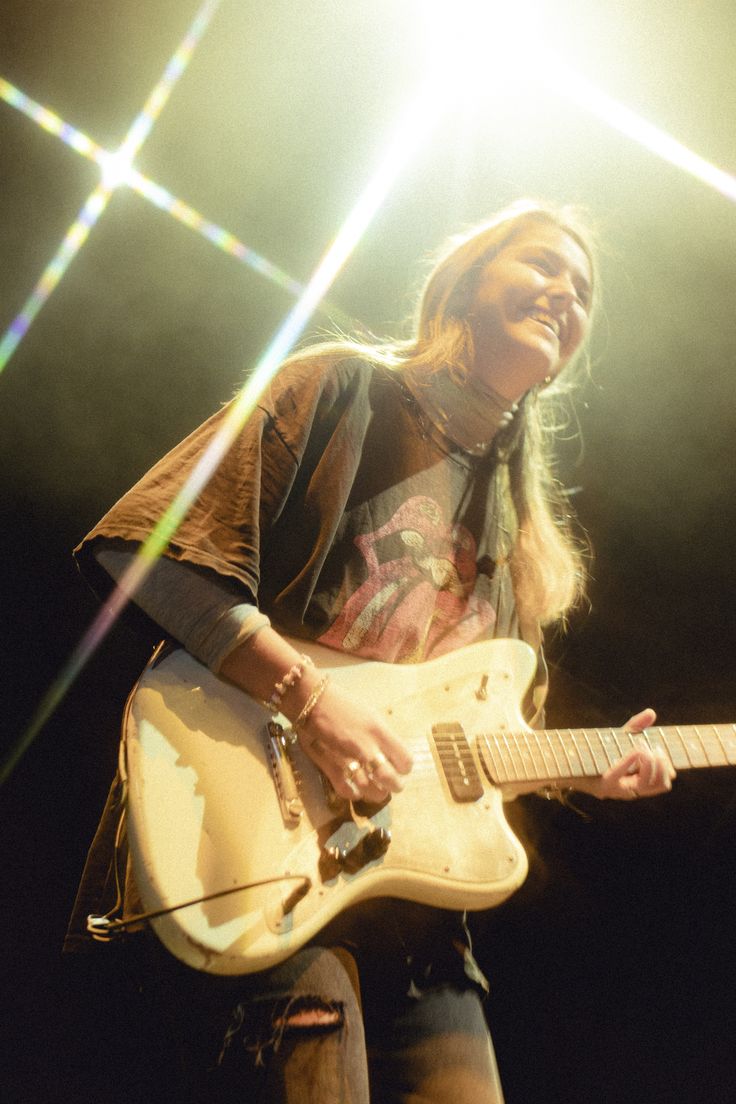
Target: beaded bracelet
291,677
310,703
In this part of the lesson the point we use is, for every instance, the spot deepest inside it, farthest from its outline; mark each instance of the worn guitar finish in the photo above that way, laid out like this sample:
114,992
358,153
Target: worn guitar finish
217,800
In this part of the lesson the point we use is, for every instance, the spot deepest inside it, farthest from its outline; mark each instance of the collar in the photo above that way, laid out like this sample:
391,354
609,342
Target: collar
465,411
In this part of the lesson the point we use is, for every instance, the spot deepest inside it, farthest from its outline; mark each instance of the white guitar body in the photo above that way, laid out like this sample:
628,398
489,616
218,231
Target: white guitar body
204,813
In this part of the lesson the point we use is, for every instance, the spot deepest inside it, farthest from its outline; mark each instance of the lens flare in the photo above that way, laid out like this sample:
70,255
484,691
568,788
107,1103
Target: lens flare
115,167
220,237
587,96
411,132
116,171
50,121
74,239
490,46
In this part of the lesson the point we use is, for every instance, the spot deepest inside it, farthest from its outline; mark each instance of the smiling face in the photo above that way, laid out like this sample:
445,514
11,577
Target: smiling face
529,312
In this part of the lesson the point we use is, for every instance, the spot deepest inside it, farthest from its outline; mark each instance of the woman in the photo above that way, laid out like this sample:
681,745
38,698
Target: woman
395,502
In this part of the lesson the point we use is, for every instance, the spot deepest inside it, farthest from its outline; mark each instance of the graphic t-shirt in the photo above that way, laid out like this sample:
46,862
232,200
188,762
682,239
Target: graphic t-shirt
345,516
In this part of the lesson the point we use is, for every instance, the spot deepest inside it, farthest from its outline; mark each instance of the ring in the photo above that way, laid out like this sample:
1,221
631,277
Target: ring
372,765
351,769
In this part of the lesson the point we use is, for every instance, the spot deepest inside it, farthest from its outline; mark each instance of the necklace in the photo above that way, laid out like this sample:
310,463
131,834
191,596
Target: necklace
468,413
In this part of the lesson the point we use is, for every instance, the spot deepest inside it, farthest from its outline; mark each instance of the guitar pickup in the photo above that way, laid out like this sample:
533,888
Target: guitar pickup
284,777
457,762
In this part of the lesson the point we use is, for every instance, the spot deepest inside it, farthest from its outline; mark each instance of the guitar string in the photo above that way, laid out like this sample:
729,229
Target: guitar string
535,761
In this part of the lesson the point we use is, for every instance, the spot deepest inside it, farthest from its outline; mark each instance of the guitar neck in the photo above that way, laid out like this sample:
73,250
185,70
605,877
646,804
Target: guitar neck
568,753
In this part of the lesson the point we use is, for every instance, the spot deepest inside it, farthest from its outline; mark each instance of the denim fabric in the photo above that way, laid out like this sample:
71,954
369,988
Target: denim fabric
233,1040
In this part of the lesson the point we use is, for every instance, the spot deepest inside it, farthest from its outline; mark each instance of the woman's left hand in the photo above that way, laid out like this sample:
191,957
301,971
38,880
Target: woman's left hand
639,773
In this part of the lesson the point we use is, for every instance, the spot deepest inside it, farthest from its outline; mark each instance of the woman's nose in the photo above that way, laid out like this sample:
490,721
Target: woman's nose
561,291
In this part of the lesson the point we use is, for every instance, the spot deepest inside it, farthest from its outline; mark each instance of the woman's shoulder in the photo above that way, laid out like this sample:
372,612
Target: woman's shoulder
325,373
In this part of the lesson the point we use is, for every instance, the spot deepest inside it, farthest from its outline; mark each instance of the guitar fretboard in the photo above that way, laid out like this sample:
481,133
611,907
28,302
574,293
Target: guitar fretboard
588,752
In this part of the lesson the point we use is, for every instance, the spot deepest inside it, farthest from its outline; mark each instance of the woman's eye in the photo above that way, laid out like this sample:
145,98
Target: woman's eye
543,264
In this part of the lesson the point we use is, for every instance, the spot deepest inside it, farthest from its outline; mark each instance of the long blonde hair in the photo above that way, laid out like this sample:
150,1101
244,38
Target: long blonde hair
546,557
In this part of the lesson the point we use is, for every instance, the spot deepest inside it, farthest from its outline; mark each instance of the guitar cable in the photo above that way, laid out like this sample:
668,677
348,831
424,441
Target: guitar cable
105,928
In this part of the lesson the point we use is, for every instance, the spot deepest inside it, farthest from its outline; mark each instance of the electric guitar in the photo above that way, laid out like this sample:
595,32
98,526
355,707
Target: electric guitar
245,852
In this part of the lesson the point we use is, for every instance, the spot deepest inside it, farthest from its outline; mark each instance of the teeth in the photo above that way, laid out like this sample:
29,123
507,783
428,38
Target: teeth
546,320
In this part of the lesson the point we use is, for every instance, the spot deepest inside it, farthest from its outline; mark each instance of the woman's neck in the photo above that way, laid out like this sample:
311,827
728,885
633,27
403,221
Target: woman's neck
468,412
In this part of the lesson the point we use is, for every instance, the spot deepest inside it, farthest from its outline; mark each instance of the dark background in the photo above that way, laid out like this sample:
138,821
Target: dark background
613,969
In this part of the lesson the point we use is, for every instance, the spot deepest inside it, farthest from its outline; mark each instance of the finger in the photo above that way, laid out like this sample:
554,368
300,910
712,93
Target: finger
664,772
382,774
364,779
397,755
654,769
627,765
640,721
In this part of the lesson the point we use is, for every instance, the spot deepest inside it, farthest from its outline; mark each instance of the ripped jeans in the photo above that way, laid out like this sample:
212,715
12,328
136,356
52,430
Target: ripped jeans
306,1032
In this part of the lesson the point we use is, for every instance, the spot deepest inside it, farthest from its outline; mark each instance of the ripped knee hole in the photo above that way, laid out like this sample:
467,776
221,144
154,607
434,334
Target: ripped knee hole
311,1014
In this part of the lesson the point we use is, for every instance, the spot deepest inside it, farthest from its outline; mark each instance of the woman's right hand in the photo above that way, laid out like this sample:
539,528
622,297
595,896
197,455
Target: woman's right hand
349,741
352,745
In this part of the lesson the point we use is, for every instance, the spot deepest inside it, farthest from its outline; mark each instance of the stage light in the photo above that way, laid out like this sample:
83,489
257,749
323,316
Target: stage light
491,50
116,169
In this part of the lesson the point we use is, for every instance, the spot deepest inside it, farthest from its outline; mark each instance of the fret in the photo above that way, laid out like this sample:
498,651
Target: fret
728,739
537,756
588,768
516,756
712,745
491,742
719,752
528,770
574,762
655,739
725,735
555,745
710,749
549,766
506,757
693,747
676,748
627,741
605,754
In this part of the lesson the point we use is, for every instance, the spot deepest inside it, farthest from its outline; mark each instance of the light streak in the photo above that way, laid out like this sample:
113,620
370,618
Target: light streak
457,38
411,132
49,121
115,169
591,98
220,237
73,241
156,194
115,172
157,100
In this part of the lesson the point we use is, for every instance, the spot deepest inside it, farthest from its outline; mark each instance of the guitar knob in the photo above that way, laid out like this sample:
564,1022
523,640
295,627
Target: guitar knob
375,844
331,863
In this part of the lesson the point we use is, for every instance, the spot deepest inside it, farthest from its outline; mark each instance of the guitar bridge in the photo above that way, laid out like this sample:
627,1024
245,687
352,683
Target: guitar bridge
284,776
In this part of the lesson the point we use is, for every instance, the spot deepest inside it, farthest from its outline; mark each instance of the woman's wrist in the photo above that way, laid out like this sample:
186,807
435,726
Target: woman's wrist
267,667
